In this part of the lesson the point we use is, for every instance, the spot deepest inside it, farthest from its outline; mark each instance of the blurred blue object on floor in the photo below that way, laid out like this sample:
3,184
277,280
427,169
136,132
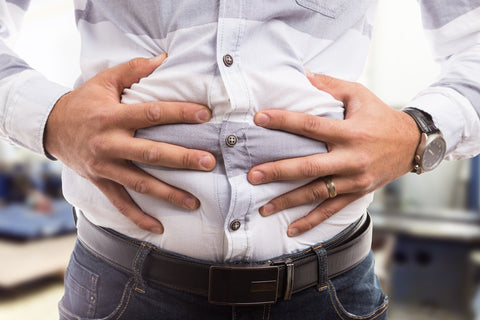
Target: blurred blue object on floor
22,222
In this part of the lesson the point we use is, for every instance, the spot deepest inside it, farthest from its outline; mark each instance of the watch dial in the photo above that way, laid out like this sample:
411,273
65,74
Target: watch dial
433,154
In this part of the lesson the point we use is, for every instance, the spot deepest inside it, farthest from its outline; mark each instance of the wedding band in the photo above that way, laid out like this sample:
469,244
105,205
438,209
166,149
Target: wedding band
332,192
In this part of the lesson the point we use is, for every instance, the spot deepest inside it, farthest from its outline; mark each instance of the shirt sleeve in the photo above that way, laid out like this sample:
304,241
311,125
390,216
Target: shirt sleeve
453,28
26,96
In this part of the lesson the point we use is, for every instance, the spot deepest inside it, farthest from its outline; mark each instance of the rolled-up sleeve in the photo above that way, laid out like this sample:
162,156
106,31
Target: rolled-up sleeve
453,28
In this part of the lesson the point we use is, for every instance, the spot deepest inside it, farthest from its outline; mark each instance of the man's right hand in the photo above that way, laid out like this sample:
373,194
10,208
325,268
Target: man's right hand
90,131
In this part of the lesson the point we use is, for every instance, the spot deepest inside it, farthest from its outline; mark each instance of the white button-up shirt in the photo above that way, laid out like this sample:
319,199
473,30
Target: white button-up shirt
237,57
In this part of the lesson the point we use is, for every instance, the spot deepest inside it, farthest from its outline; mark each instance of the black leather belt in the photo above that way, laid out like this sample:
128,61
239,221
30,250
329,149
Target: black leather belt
262,282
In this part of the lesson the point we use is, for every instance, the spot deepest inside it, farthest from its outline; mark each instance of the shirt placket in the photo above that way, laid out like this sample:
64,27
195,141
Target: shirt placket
233,142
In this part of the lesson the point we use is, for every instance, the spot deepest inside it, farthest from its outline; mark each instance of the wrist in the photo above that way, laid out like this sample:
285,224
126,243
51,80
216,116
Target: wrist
413,137
50,134
432,147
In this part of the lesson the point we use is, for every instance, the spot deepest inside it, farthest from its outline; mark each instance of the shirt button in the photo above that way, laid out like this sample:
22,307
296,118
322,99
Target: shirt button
231,140
228,60
235,225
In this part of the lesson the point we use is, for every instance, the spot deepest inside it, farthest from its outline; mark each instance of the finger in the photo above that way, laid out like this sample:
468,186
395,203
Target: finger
130,72
121,200
313,166
148,114
163,154
137,180
315,127
312,192
340,89
321,213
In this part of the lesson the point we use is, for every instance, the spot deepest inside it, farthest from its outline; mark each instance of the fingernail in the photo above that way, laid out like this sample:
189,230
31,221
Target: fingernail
203,115
158,230
262,119
206,162
267,209
159,59
292,232
190,203
257,177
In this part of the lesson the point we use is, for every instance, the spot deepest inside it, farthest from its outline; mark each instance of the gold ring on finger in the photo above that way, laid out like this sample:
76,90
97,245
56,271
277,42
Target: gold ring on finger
332,192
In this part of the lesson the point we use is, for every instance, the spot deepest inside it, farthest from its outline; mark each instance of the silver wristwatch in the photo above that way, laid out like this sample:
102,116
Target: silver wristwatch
432,147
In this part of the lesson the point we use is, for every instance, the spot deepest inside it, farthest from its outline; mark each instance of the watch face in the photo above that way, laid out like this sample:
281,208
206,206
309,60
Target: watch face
434,153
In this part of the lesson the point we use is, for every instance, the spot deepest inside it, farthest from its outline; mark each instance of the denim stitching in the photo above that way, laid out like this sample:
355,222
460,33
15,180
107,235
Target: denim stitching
91,306
373,315
144,250
128,301
66,315
121,306
321,254
268,312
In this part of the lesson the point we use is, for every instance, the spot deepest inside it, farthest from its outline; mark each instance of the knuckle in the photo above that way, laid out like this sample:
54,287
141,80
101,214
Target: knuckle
283,202
94,166
100,118
151,155
187,160
121,206
140,223
328,212
311,125
281,118
308,225
275,173
316,194
363,162
362,134
173,197
140,186
359,86
136,63
185,112
365,182
98,147
310,168
154,113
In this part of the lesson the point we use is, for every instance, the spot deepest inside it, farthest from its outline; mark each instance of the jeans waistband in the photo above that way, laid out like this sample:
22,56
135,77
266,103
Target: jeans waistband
242,283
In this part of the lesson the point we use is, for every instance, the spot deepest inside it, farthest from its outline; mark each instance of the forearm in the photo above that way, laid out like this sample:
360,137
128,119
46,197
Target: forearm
26,97
454,100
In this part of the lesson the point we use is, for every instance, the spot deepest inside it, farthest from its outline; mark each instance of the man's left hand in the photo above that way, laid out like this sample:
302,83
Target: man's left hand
371,147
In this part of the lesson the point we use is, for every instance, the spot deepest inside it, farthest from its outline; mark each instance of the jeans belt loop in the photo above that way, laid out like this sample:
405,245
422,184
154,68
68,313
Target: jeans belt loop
321,254
137,267
290,267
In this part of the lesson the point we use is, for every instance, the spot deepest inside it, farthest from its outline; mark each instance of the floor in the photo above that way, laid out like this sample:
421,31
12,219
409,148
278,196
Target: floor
36,300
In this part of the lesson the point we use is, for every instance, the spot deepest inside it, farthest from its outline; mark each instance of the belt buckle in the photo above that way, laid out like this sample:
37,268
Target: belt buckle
238,285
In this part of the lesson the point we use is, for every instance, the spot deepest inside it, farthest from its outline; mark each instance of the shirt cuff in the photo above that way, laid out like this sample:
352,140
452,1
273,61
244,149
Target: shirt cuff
453,114
32,102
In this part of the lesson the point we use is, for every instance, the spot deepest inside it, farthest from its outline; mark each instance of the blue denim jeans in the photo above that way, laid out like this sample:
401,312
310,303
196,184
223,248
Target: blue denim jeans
94,289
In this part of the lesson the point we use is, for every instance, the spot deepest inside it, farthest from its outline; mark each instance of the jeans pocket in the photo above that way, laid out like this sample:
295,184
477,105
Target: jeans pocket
359,304
100,294
80,289
329,8
357,294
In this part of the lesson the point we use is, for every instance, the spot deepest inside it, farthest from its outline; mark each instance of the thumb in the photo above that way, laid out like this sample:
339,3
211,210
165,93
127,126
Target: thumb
339,89
130,72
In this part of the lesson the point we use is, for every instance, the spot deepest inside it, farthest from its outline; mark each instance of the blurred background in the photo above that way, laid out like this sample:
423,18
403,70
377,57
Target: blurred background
427,229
